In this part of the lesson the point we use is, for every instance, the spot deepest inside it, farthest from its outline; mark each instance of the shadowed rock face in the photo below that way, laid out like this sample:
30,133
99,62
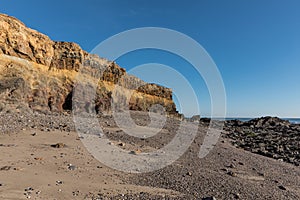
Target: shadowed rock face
47,81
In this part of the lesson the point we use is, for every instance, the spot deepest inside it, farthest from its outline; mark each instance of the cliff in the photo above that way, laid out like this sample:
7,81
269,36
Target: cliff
39,74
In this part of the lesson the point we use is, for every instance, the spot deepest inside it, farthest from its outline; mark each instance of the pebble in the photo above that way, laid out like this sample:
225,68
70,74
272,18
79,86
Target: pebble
261,174
121,144
231,166
281,187
58,145
71,167
189,173
59,182
240,163
209,198
135,152
5,168
28,192
75,193
236,195
29,189
231,173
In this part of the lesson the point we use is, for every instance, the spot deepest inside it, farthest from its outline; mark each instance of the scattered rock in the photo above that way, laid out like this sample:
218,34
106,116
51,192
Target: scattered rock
59,182
58,145
231,173
189,173
18,168
136,152
6,168
121,144
28,189
268,136
75,193
236,195
71,167
231,166
28,192
281,187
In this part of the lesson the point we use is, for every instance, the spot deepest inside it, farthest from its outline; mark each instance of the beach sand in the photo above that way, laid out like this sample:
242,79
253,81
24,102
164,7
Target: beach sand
33,167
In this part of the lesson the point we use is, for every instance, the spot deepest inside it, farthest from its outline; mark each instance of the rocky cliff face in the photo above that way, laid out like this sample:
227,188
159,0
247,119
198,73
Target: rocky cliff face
39,74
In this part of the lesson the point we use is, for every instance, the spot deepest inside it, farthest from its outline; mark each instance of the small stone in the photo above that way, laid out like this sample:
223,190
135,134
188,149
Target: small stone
58,145
236,195
71,167
281,187
76,193
261,174
30,189
135,152
189,173
18,168
5,168
59,182
121,144
231,173
231,166
224,169
209,198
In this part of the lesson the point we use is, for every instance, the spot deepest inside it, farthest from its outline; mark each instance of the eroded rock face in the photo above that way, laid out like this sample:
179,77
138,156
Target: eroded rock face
18,40
67,55
47,81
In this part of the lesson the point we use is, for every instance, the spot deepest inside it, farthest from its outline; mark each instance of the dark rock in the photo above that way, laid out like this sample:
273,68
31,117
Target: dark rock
268,136
195,118
281,187
231,173
205,120
58,145
71,167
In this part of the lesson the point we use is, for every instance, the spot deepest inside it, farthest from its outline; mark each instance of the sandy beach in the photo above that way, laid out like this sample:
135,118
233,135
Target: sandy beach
54,164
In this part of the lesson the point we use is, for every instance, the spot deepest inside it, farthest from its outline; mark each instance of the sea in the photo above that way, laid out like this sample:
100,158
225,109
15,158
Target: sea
291,120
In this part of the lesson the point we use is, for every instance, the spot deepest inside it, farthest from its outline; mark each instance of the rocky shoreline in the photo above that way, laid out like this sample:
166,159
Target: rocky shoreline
267,136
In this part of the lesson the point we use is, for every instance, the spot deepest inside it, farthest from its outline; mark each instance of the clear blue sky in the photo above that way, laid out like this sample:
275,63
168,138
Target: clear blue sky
255,44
